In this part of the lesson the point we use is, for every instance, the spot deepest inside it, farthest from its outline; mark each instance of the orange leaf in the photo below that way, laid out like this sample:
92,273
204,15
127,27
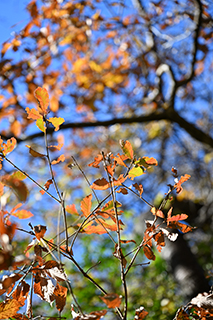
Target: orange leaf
159,238
60,159
148,252
122,190
157,212
42,96
86,205
72,209
5,47
177,217
127,148
33,114
56,122
178,186
112,300
8,146
100,184
34,153
9,308
96,161
60,294
40,231
140,313
21,214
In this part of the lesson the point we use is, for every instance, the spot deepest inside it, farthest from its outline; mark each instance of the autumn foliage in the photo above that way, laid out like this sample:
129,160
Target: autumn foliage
49,279
76,65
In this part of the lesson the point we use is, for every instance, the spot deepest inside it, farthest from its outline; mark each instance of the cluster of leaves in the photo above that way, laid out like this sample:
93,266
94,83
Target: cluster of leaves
45,266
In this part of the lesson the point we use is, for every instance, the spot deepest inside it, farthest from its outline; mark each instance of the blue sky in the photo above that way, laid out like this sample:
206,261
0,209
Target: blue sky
12,17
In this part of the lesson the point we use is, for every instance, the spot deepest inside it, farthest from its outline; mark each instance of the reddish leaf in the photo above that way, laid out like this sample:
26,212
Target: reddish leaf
72,209
21,292
86,205
157,212
56,122
60,294
127,241
148,252
138,187
100,184
40,231
177,217
112,300
47,185
140,313
127,149
178,186
159,238
60,159
122,190
42,96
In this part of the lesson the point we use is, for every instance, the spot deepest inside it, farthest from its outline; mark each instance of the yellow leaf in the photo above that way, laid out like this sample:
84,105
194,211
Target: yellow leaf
56,122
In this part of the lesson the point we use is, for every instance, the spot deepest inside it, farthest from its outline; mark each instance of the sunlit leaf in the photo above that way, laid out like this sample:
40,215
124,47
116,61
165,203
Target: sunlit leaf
60,159
96,161
42,96
127,149
135,172
182,179
9,308
72,209
40,124
33,114
86,205
56,122
157,212
177,217
8,146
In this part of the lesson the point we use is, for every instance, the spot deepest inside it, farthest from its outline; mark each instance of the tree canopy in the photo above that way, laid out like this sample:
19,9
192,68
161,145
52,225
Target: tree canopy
124,87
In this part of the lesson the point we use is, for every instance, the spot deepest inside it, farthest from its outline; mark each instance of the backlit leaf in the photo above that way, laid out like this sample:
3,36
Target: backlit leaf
96,161
72,209
177,217
148,252
40,124
8,146
86,205
42,96
127,148
135,172
112,300
182,179
157,212
60,159
56,122
33,114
